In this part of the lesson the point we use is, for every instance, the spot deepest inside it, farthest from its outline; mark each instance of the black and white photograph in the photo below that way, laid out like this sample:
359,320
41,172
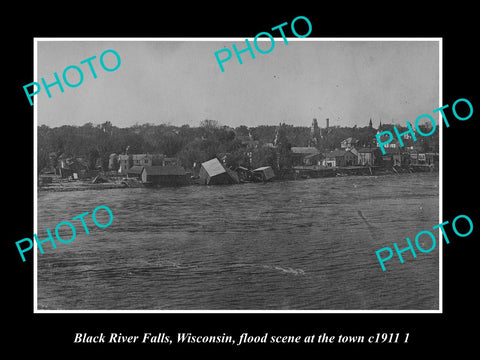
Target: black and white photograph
221,180
209,175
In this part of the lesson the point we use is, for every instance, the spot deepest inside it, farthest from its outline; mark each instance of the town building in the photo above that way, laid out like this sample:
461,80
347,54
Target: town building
307,155
395,157
73,167
164,175
432,159
349,143
338,158
147,159
313,159
135,171
125,162
367,156
407,140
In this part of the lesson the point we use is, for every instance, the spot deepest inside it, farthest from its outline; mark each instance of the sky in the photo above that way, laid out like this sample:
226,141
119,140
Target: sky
180,82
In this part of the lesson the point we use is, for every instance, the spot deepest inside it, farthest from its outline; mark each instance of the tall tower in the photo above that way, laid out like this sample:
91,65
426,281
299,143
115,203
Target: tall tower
314,133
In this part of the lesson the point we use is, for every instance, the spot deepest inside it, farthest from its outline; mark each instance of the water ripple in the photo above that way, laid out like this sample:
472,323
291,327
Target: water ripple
286,245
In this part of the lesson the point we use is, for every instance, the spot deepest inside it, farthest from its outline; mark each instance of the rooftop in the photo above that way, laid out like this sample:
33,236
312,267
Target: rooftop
213,167
390,151
263,168
137,169
335,153
164,170
350,140
367,150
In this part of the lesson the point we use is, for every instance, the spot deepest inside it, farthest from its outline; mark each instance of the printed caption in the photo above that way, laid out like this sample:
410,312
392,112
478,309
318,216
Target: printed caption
243,339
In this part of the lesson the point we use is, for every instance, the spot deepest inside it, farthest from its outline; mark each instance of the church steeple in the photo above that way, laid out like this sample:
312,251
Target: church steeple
370,123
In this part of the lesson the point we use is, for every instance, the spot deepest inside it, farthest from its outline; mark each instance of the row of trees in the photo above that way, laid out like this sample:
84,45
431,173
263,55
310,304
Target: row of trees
192,145
95,143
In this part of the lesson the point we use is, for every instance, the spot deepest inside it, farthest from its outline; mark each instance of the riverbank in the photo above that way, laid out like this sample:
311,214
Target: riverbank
58,184
321,171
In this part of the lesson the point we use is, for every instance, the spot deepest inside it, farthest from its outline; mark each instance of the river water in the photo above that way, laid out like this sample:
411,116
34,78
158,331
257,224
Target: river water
300,245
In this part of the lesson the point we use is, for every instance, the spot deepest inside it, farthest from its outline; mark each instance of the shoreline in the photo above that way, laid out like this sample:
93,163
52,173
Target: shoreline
297,174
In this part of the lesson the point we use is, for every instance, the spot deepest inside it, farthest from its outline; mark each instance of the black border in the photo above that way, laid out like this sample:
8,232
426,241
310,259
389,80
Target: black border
53,333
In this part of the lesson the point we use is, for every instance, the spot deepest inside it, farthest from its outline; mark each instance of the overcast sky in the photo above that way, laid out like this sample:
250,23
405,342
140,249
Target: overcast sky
180,82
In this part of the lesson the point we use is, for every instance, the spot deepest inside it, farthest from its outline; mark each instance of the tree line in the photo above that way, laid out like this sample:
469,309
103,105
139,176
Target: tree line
240,146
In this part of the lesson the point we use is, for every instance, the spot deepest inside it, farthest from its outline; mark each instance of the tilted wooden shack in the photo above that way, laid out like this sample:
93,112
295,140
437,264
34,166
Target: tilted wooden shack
213,172
264,173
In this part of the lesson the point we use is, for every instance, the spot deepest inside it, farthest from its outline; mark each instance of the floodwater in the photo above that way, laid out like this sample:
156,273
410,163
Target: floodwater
299,245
